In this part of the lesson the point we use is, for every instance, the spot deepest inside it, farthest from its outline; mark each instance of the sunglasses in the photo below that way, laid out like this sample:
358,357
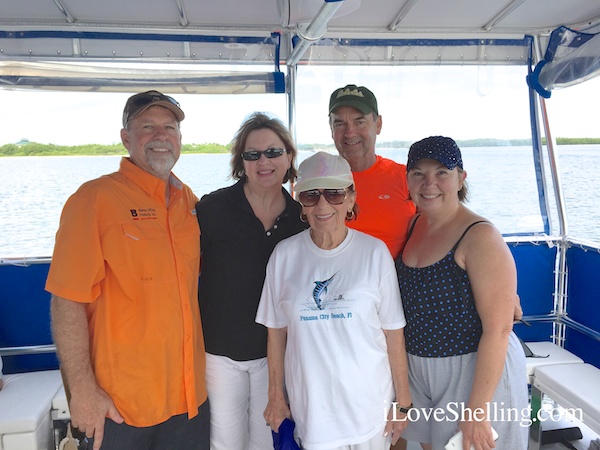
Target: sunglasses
140,100
254,155
333,196
145,98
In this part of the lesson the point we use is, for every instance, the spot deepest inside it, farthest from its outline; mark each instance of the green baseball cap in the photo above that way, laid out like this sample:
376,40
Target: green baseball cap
358,97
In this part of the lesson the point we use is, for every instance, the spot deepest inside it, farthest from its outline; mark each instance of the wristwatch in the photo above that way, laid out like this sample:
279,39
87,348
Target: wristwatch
403,409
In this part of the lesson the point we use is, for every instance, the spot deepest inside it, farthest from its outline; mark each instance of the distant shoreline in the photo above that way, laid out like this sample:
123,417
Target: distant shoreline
26,148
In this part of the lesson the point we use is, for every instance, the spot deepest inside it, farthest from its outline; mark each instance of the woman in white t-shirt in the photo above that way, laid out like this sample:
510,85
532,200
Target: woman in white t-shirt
335,322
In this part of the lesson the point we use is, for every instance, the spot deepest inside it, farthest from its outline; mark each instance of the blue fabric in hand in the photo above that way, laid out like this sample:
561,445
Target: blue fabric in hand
284,439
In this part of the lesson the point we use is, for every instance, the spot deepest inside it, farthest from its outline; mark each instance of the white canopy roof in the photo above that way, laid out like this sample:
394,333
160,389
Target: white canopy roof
264,32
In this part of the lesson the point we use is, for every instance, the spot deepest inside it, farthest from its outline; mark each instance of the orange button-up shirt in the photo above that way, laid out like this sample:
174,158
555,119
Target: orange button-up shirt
134,262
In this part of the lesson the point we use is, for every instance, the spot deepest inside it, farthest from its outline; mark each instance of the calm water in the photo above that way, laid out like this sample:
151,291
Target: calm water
503,188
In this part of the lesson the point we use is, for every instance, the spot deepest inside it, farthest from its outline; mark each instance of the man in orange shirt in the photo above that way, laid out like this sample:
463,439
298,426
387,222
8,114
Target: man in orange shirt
124,279
383,198
385,205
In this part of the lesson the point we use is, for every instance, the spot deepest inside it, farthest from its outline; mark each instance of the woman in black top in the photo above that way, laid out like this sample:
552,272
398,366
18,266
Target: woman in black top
240,226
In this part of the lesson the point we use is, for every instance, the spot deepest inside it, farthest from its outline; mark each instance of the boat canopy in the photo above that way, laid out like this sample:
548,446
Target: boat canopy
74,39
98,77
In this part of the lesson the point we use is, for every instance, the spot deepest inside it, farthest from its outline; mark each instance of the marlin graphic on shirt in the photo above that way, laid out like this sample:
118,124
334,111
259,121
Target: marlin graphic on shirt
320,288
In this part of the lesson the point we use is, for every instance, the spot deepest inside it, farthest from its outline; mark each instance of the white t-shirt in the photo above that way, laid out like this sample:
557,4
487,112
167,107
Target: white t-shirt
335,305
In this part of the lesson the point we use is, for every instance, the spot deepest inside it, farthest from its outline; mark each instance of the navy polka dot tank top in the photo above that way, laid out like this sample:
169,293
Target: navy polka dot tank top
439,307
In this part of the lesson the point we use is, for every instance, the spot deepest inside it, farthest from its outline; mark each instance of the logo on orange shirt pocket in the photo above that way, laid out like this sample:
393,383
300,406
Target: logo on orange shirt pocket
143,214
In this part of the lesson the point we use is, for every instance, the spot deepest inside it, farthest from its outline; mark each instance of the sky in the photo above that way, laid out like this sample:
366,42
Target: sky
464,103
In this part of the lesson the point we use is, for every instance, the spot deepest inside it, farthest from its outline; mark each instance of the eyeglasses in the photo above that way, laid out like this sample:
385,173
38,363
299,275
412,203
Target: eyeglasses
254,155
333,196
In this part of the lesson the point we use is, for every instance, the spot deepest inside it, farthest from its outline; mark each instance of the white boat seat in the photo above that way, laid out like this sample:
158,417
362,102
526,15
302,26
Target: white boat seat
572,386
25,403
555,355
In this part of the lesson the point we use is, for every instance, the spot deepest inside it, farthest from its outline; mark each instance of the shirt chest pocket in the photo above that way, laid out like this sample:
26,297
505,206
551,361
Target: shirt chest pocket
140,252
140,233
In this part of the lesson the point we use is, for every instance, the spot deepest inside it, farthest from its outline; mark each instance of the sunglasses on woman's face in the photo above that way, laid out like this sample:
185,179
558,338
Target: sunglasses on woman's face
254,155
333,196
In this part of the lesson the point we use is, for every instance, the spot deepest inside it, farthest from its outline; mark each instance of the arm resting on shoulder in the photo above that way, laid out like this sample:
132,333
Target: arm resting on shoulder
89,405
277,408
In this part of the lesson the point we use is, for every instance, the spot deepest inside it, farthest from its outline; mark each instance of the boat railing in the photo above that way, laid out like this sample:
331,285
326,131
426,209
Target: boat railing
569,318
27,350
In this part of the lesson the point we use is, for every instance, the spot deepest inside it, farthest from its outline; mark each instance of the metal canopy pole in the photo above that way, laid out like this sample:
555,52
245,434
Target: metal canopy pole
291,90
561,276
314,31
553,160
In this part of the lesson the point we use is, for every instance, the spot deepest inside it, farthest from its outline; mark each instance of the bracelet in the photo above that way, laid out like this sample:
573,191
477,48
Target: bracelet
402,409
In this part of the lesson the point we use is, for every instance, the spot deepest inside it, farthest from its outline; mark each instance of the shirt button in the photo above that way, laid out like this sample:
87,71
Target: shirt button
275,227
268,233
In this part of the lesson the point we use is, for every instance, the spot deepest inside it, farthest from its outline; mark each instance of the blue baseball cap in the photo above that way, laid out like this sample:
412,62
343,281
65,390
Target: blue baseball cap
440,148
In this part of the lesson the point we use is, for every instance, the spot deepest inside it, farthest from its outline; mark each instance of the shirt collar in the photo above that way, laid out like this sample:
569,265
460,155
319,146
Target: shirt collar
152,185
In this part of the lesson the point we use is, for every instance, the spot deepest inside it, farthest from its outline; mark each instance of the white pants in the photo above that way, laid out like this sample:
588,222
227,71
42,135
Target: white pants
238,394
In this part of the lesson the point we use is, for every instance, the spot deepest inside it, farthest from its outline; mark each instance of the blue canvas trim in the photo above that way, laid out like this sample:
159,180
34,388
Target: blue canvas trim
537,146
278,83
103,35
571,58
423,42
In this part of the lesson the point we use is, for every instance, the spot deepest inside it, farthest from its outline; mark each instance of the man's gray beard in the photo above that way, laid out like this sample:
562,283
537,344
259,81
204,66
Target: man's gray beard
161,164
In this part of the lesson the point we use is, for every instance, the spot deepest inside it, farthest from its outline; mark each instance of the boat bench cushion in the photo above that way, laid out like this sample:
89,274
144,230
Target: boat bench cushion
25,403
573,386
555,353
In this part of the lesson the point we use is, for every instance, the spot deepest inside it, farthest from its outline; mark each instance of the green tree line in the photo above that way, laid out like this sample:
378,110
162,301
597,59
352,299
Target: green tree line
36,149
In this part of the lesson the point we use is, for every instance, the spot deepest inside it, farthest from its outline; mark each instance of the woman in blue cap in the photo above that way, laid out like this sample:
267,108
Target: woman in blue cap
458,283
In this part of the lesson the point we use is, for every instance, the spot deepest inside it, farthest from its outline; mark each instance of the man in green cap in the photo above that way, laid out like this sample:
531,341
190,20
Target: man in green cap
385,203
